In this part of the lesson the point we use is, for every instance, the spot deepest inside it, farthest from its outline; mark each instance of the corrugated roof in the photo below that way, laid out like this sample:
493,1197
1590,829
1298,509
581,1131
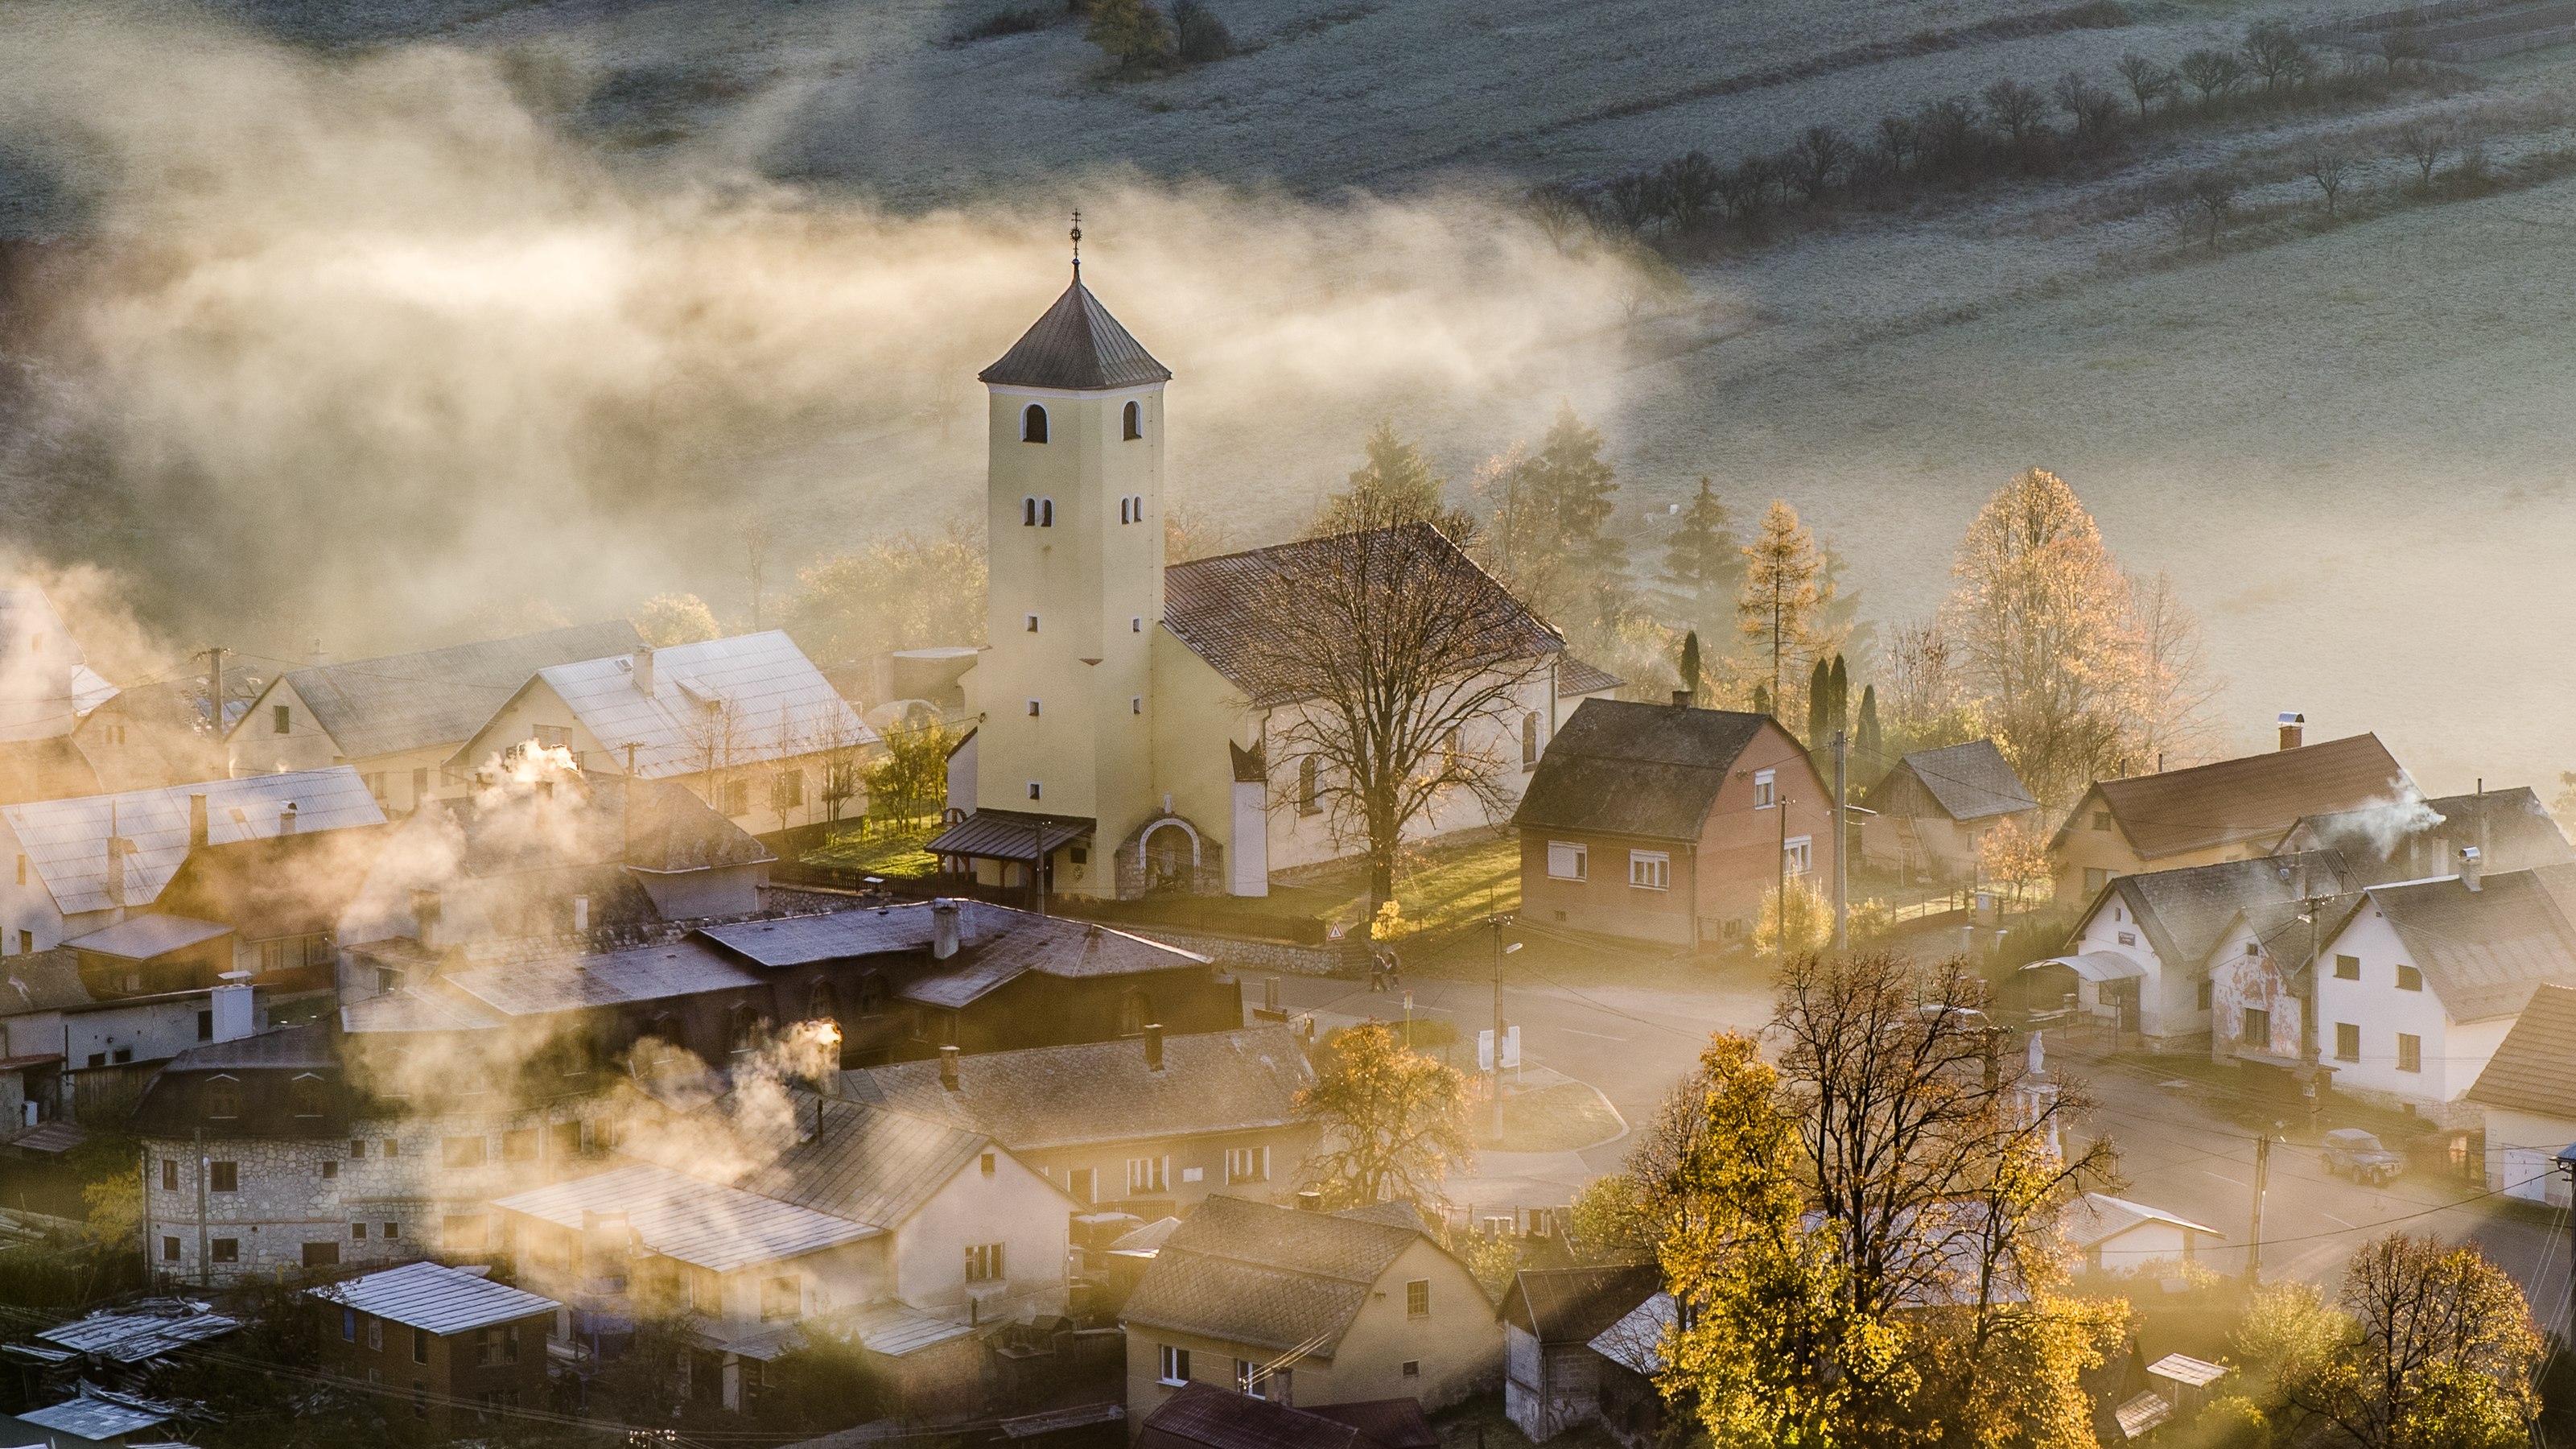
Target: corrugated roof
1010,835
569,983
2531,1069
1972,781
147,1331
52,768
2484,952
1049,1097
1619,767
721,1229
407,1010
305,1046
774,703
98,1414
862,1163
440,696
2415,839
1076,345
2256,797
2097,1216
996,944
1249,1272
434,1297
66,840
140,938
1636,1341
1572,1305
1226,609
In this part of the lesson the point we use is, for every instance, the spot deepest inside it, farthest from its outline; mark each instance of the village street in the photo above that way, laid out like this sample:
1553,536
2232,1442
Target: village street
2180,1150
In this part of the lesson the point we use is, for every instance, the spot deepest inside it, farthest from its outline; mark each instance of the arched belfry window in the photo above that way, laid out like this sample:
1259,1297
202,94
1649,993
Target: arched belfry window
1028,513
1046,513
1135,421
1033,424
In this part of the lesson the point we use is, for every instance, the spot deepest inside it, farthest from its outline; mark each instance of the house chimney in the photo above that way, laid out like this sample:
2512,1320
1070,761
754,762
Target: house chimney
2294,729
1310,1200
116,870
231,1007
948,1067
196,820
286,819
315,658
2471,863
424,918
1153,1046
943,928
1681,699
643,668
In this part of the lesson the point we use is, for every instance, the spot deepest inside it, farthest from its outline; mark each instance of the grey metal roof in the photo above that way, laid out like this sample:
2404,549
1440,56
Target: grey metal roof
894,1330
1202,1416
99,1414
719,1228
146,1331
305,1046
1047,1097
775,701
440,696
402,1011
1226,608
1620,767
1582,676
2412,839
1636,1341
1972,781
1248,1272
1076,345
1010,835
140,938
568,983
2530,1069
862,1163
2095,1217
434,1297
2484,952
66,840
996,944
829,936
1571,1305
2186,912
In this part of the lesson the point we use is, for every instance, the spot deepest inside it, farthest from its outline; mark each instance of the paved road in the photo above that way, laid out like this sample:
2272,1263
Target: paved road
2178,1150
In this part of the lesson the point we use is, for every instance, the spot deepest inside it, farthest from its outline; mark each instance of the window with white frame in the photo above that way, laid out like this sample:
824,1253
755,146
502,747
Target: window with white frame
1568,860
1799,854
1253,1380
1765,789
983,1262
1247,1164
1175,1367
1148,1174
1650,870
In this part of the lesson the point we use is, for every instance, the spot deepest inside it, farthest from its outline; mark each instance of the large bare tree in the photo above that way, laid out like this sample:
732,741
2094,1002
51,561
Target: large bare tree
1396,666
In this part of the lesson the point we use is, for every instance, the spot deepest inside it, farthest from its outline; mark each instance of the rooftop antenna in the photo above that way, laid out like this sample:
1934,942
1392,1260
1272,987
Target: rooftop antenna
1077,246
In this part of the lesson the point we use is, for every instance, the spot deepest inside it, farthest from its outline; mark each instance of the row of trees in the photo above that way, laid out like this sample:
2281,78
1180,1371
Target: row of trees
2011,127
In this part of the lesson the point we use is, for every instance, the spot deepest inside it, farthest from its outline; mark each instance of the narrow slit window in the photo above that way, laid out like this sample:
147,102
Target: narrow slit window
1033,424
1046,513
1028,513
1135,421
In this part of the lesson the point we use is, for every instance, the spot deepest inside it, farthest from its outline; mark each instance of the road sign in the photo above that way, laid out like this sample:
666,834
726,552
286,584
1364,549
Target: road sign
1511,1047
1484,1051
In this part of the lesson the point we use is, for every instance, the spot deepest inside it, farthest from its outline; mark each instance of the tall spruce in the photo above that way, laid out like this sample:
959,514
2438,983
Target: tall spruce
1704,564
1394,480
1866,739
1547,512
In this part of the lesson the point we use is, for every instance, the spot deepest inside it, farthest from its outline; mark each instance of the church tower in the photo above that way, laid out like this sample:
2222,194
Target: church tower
1075,514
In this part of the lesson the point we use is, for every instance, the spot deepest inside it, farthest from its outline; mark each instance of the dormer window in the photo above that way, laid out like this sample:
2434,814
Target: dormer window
305,1092
1135,421
223,1099
1033,424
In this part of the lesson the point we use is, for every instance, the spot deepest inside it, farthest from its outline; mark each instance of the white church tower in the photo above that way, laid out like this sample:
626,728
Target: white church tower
1076,546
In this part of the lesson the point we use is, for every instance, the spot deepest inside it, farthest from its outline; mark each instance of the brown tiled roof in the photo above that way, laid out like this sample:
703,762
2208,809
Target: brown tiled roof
1077,346
1969,782
1222,1081
1224,608
2256,797
1203,1416
1582,676
1620,767
2530,1071
2484,952
1573,1305
1247,1272
2510,828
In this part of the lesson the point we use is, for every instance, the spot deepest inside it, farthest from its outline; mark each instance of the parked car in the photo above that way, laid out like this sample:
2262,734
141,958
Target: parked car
2356,1154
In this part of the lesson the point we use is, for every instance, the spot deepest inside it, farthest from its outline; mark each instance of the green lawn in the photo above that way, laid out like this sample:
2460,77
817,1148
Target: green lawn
894,852
1444,886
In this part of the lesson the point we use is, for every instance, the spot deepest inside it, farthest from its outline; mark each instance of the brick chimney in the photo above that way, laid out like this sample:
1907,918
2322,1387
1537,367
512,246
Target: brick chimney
642,667
943,928
2294,729
2472,864
1681,699
948,1067
196,820
1153,1046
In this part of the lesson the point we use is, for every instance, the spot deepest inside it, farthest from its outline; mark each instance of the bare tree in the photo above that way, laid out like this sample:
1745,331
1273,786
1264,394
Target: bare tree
1896,139
1821,154
1630,196
2174,685
2094,110
2327,165
2147,80
2425,139
1559,212
842,748
2212,194
2213,73
1689,189
1397,667
758,539
2402,45
2015,108
2274,51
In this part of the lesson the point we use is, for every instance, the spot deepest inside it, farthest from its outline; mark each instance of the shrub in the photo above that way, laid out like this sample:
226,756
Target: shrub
1200,36
1015,21
1133,33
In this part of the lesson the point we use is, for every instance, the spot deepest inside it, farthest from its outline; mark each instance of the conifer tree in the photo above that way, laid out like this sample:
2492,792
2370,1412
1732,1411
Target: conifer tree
1704,563
1780,603
1547,509
1866,738
1820,704
1690,664
1841,684
1395,479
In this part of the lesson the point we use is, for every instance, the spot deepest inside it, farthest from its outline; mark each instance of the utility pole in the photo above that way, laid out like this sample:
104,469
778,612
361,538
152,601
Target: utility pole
215,686
1497,922
2262,1180
1780,889
1842,856
1037,865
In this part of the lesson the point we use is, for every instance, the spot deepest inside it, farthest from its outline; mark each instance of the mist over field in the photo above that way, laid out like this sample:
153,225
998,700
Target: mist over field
384,326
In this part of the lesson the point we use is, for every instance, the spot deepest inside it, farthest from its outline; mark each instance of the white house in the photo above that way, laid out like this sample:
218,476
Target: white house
2529,1092
747,723
2117,1235
2140,957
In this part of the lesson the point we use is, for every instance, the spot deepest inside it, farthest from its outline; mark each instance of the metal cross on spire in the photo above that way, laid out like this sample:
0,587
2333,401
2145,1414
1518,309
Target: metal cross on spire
1077,246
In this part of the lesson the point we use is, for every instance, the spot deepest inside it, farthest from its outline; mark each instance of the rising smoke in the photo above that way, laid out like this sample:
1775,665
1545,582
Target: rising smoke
360,348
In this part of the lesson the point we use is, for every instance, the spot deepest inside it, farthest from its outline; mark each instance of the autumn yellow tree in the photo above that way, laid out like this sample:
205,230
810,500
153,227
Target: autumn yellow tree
2013,857
2041,617
1394,1120
1782,609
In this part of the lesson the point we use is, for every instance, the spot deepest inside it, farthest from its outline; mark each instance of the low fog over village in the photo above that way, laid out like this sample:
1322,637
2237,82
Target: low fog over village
1269,724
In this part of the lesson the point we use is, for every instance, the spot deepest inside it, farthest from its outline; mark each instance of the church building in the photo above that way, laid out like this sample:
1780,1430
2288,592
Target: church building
1116,745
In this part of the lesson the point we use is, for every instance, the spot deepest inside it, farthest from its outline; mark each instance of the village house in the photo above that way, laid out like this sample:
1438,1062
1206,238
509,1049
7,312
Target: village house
1121,742
1633,1407
1929,815
1670,824
1202,1416
561,854
2116,1235
2414,984
1551,1373
1146,1125
1308,1308
46,690
463,1343
2232,810
746,723
398,720
69,1051
2415,839
2141,956
2529,1092
146,736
